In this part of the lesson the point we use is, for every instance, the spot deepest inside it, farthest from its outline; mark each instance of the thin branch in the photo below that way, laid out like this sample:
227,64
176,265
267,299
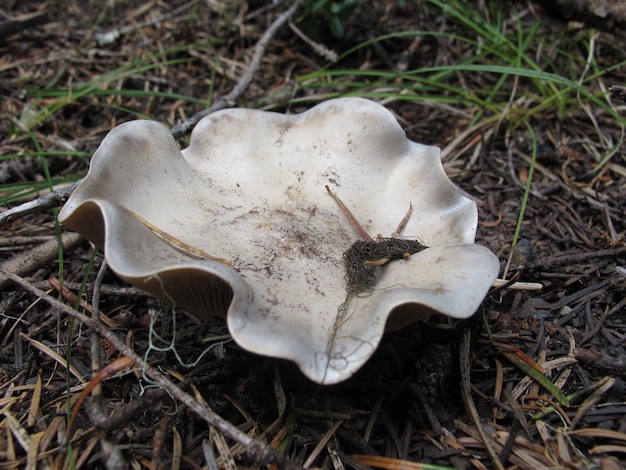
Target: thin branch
348,213
229,100
318,48
109,36
470,406
42,254
112,454
50,200
259,451
572,259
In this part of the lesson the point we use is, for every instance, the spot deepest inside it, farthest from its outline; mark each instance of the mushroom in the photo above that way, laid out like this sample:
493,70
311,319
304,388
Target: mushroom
257,221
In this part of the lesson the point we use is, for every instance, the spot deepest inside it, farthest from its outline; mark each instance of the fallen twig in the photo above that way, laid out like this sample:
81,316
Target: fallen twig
470,406
571,259
111,35
39,256
21,23
228,100
318,48
98,412
602,360
50,200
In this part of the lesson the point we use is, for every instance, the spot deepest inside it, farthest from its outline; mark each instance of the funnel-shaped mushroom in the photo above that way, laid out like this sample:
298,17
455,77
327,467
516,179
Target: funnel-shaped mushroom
249,196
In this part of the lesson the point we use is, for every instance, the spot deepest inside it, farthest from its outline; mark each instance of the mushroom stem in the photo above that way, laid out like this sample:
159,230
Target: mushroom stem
355,223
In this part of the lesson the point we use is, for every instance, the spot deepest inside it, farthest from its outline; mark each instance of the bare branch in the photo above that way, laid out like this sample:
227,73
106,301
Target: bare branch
50,200
229,100
318,48
40,255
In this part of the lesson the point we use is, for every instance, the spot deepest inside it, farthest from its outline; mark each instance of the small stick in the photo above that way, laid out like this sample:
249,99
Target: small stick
504,283
470,406
229,100
50,200
319,49
355,223
39,256
403,222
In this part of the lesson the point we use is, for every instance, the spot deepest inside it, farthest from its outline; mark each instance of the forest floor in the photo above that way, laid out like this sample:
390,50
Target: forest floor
534,380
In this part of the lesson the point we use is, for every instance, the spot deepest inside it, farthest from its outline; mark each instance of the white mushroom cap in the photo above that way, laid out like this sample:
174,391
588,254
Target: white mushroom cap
250,188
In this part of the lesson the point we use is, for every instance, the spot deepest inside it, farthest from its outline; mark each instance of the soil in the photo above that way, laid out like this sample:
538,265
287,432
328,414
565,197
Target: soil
534,380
